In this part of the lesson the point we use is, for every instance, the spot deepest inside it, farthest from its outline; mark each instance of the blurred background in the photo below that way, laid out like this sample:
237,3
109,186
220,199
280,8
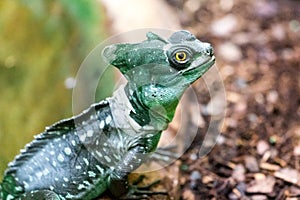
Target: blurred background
257,48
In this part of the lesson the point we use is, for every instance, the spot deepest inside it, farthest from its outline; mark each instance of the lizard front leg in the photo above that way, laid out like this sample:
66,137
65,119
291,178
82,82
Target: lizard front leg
118,184
136,155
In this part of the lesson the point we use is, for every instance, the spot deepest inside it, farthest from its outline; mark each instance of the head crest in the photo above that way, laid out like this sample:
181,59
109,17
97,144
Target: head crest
181,36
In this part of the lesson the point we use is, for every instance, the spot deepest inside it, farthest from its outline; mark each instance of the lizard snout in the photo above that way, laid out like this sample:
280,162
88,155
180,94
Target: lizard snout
209,50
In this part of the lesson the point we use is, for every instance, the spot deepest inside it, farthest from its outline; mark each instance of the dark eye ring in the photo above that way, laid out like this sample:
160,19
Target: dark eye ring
181,56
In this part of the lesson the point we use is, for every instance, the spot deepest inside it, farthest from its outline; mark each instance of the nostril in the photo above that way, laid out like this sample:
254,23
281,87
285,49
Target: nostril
209,51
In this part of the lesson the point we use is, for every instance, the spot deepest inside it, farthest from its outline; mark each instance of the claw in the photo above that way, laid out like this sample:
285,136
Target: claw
142,192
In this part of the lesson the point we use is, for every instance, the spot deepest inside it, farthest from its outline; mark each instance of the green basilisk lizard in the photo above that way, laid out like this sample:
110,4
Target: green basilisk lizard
83,156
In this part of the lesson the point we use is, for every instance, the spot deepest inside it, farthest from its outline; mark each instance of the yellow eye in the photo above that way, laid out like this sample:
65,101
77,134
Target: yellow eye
180,56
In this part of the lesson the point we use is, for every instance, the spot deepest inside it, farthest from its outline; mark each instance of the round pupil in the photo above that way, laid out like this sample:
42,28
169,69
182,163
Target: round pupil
180,56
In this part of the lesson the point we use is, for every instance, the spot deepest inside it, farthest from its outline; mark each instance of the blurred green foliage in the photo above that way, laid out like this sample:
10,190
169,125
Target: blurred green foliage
42,44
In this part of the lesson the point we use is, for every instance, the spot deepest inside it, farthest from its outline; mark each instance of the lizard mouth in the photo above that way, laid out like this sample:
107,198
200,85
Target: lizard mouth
202,64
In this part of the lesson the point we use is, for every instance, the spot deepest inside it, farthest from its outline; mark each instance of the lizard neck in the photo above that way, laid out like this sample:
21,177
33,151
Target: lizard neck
144,115
131,115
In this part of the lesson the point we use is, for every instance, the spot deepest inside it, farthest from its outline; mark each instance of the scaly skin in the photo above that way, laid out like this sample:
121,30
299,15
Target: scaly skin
81,157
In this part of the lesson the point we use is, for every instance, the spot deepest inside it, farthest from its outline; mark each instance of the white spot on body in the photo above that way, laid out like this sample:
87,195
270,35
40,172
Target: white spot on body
66,179
51,187
18,188
108,119
107,158
25,184
73,142
82,137
86,161
90,133
78,167
131,91
69,196
54,163
52,153
39,175
99,153
116,156
10,197
80,186
99,169
150,135
60,158
101,124
67,151
45,172
92,174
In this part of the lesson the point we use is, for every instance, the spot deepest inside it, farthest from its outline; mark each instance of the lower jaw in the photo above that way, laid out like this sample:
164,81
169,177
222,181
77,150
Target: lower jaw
199,71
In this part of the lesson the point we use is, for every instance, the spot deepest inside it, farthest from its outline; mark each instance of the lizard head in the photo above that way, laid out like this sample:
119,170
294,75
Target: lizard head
159,70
